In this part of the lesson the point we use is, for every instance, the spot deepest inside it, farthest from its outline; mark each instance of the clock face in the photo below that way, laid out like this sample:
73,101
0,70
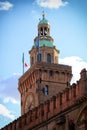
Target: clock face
29,103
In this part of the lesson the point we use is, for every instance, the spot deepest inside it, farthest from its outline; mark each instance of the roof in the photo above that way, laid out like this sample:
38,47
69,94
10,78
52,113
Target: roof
43,20
45,42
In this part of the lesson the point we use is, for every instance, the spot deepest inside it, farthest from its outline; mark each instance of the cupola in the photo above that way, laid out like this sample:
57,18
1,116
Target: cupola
47,52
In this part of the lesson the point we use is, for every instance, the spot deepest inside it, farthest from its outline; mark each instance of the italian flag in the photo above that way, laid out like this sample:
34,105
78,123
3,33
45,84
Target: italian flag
23,61
25,64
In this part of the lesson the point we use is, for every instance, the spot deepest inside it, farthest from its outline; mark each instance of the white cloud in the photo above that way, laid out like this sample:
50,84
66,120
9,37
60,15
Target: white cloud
10,99
9,89
5,112
77,64
51,3
5,5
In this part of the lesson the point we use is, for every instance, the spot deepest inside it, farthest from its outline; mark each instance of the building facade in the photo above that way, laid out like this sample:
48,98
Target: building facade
48,101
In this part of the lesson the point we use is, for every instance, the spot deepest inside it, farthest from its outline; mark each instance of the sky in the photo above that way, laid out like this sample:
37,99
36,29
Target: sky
18,28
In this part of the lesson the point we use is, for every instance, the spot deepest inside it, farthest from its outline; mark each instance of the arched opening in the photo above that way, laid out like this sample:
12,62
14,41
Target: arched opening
41,31
46,90
45,31
39,57
82,120
48,58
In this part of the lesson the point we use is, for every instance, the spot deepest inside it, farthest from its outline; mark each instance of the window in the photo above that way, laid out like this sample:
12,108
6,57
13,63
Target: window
39,57
46,90
45,31
41,31
48,58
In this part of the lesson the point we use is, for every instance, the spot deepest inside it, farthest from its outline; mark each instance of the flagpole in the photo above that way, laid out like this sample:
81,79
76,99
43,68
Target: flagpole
23,62
37,47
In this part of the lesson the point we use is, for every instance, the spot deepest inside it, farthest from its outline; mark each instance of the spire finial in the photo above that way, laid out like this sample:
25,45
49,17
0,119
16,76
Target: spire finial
43,14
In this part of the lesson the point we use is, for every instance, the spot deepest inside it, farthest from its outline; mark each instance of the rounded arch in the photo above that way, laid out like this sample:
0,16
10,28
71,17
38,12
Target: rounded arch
81,122
29,102
81,111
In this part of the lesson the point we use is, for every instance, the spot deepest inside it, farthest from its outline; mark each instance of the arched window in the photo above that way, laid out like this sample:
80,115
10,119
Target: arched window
41,31
46,90
45,31
39,57
48,58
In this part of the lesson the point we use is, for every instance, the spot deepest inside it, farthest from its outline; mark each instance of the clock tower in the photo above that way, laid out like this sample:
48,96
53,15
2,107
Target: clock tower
45,77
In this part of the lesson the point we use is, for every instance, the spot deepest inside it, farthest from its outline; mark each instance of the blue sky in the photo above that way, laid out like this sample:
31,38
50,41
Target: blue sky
18,28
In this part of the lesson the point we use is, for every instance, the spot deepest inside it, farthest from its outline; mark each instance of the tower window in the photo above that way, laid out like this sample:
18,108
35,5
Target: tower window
45,31
48,58
39,57
41,31
46,90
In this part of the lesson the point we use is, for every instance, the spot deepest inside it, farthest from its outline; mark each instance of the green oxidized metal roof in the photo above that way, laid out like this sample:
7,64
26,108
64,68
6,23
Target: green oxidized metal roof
46,43
44,21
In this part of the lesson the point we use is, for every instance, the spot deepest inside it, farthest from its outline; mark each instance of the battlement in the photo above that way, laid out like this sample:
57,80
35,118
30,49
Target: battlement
71,96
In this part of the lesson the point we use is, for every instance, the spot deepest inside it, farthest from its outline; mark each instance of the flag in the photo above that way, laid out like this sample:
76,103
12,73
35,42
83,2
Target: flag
25,64
37,43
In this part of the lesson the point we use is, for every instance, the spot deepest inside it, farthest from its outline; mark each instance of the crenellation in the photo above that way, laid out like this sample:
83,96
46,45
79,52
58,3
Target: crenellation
14,125
77,90
47,103
24,121
67,93
29,117
55,105
57,102
64,98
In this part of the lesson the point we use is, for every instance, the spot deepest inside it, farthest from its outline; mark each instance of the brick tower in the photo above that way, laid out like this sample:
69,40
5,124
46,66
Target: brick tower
46,76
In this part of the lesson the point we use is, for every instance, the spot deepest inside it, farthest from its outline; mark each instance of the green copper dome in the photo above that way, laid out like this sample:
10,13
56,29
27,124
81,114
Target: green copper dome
44,20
